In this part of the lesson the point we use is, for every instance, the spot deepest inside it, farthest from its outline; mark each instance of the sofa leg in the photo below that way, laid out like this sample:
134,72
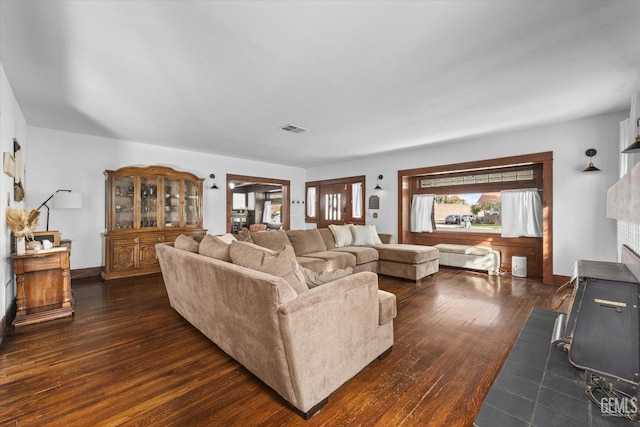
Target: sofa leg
311,412
385,353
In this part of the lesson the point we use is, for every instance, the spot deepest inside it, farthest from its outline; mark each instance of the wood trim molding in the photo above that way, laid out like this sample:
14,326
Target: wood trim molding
286,202
85,273
7,319
544,158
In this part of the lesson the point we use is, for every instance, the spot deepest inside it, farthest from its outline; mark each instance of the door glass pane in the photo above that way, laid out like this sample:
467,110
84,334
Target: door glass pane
171,203
148,202
123,203
191,208
332,205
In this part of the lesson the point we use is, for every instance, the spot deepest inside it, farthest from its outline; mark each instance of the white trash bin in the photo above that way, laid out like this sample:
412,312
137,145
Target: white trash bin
519,266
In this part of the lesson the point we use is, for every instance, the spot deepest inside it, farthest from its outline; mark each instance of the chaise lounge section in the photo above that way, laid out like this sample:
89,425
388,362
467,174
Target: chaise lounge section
303,343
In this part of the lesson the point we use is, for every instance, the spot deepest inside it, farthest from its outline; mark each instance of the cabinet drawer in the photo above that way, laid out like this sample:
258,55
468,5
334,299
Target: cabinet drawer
128,240
42,263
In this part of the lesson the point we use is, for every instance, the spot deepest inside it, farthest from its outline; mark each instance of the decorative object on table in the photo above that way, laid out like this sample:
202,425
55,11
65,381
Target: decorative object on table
22,224
635,147
63,199
591,168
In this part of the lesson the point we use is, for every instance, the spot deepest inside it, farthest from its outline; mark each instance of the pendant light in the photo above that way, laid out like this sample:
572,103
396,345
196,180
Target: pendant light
590,153
635,147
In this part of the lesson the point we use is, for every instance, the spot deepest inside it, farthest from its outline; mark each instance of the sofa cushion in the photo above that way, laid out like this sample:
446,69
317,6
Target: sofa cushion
365,235
327,236
342,235
244,236
274,240
363,254
214,247
227,238
463,249
281,263
186,243
335,259
306,241
407,254
315,264
314,278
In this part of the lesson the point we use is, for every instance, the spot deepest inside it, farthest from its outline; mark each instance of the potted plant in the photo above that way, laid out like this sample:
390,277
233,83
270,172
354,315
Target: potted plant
22,225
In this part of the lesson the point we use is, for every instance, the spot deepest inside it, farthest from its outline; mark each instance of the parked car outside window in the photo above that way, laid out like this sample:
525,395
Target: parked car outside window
452,219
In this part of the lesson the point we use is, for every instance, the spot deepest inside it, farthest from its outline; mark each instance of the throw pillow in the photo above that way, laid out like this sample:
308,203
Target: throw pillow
306,241
280,263
227,238
274,240
186,243
365,235
313,278
215,247
342,235
244,236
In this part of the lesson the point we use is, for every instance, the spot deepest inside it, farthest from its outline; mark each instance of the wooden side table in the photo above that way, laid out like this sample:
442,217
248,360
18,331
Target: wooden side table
43,286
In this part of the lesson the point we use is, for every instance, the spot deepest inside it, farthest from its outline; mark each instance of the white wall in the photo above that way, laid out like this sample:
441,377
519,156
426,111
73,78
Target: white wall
12,125
581,228
63,160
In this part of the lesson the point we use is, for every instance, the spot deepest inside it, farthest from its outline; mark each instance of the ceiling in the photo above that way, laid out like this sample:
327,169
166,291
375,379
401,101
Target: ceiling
363,76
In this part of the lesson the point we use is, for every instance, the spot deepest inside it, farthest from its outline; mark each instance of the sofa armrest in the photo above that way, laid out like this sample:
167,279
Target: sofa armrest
386,238
330,333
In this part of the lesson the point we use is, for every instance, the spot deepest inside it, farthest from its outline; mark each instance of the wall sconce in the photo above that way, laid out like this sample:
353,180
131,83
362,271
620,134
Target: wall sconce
590,153
63,199
635,147
214,186
377,187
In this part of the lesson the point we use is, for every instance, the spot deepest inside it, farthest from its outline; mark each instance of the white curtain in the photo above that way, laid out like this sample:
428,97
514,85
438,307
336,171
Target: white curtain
521,213
266,213
421,208
356,200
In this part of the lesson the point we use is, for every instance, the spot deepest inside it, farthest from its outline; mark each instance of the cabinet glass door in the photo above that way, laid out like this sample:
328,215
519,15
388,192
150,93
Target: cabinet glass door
124,203
148,202
191,212
171,203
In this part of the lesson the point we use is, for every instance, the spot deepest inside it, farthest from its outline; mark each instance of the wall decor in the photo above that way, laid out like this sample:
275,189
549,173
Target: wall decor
18,184
8,164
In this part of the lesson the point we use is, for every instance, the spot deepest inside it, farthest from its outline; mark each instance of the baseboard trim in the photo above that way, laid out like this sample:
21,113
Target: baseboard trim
83,273
7,319
559,280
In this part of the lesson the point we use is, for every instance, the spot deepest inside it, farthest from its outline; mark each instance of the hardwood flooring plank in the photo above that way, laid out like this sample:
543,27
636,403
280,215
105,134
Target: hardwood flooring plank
127,358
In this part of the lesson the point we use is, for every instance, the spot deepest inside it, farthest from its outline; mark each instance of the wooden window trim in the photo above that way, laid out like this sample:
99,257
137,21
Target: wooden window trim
544,159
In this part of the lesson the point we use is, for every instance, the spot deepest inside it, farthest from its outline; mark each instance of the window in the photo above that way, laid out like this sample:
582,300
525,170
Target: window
470,201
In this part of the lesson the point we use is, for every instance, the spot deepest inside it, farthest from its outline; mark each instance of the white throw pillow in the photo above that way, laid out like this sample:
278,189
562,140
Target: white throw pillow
365,235
342,235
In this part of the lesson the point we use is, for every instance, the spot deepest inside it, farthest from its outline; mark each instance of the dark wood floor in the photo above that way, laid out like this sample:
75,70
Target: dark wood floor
126,358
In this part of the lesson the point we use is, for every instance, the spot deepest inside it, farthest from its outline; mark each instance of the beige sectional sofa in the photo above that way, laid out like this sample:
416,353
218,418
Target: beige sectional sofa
316,250
303,343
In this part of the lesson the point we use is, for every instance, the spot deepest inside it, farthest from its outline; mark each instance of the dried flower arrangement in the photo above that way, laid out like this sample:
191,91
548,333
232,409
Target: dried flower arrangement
22,223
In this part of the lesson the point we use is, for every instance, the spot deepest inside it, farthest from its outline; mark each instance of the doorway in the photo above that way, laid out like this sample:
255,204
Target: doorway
257,202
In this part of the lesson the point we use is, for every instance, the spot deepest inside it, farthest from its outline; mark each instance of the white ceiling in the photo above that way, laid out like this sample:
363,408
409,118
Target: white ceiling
364,76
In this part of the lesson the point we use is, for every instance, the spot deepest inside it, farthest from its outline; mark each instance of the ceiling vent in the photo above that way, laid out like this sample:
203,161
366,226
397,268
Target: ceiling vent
293,128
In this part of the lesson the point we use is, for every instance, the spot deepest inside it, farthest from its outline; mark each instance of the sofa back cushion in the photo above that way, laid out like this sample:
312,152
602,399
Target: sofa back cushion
306,241
328,238
280,263
215,247
274,240
186,243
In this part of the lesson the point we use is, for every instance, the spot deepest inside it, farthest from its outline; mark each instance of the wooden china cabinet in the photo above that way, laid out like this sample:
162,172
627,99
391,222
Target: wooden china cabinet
146,206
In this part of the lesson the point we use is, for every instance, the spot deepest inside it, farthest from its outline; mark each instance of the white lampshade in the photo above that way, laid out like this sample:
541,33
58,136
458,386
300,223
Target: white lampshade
67,200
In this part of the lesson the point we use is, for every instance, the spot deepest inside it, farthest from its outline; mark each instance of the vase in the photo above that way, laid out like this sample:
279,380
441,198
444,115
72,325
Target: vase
21,245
